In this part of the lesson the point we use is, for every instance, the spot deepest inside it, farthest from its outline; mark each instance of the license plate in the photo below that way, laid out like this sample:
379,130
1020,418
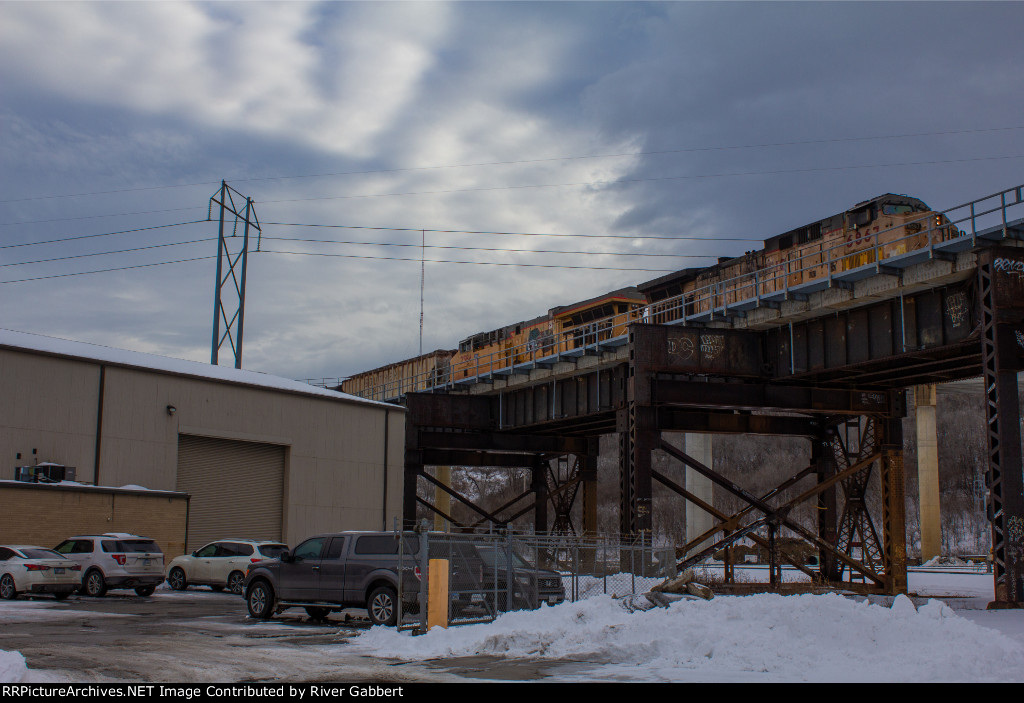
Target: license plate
58,570
145,562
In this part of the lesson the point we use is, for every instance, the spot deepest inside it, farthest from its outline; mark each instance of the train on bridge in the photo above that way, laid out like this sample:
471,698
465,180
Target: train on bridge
888,228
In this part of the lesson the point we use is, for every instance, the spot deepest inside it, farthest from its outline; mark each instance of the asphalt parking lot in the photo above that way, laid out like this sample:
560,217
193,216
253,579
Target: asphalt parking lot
197,635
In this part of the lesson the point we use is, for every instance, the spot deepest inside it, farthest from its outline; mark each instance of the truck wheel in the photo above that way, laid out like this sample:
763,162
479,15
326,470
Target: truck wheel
144,590
382,606
261,600
235,581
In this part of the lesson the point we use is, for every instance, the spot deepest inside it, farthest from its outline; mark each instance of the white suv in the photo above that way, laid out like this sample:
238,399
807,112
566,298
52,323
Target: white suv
115,560
221,564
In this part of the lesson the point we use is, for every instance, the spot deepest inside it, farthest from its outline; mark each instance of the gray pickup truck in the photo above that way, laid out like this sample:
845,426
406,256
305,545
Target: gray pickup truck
337,571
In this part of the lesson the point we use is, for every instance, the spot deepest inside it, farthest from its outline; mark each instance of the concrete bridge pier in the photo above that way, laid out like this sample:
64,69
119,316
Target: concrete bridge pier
928,472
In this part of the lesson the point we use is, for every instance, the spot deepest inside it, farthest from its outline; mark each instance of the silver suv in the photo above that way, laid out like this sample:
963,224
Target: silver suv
115,560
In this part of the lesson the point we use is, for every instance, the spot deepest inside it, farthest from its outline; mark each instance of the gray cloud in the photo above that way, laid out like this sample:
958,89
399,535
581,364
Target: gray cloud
158,94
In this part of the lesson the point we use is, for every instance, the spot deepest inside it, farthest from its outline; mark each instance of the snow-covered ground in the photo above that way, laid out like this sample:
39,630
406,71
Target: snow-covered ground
731,638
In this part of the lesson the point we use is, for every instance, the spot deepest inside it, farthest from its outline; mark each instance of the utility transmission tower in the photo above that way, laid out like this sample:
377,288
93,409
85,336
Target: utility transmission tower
232,255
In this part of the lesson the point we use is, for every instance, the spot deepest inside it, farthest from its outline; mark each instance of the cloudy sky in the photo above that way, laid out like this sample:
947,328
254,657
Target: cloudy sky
703,127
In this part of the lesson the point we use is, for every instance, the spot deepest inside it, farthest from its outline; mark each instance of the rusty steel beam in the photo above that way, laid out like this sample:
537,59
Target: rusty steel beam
462,499
893,331
675,349
725,523
589,393
505,506
1001,299
500,442
676,420
774,517
462,412
433,508
763,396
461,457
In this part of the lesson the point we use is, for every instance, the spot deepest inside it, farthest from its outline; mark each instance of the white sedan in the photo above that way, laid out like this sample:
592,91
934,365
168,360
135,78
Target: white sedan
221,564
27,569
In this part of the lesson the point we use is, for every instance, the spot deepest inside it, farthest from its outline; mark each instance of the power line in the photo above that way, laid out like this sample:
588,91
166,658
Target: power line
520,234
120,268
95,217
104,234
496,249
659,152
474,263
106,253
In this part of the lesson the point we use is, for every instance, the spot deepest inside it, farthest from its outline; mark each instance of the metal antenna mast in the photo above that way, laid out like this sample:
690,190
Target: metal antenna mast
233,256
423,274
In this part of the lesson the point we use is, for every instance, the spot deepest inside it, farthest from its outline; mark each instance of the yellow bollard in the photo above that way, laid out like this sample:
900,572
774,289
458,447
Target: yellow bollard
437,593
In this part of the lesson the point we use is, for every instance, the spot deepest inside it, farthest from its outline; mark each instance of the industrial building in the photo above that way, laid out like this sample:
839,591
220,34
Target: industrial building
259,456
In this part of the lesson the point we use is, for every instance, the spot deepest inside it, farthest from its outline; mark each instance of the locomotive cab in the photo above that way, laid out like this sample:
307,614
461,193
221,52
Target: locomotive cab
597,319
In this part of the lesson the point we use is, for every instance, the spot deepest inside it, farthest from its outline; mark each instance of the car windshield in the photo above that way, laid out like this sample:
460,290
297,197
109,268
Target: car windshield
272,551
498,557
41,554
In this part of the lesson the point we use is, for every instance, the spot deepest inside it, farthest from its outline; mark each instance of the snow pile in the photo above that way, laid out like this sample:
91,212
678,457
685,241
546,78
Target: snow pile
12,667
946,561
764,637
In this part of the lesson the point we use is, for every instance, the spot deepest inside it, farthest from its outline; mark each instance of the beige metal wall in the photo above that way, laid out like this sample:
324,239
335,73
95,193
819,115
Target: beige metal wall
334,477
48,404
47,515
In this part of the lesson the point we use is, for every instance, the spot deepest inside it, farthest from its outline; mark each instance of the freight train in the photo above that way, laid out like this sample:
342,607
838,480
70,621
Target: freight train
872,231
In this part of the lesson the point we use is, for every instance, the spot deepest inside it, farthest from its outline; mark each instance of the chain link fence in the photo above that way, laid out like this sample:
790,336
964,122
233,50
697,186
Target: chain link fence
489,574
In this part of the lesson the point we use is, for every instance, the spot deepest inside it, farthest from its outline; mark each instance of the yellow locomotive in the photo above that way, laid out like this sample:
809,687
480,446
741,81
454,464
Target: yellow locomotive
800,260
564,329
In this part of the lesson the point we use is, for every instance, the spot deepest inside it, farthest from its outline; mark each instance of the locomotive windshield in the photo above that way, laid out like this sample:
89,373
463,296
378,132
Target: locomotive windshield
893,209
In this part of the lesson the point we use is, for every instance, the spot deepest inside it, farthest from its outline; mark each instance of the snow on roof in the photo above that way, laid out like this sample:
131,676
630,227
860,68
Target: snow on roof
25,341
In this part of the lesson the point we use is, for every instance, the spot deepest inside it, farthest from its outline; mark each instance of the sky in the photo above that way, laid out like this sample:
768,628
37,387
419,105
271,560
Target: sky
649,136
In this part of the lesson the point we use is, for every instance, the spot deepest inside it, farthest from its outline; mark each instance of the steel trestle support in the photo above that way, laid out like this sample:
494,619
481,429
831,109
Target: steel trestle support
1001,301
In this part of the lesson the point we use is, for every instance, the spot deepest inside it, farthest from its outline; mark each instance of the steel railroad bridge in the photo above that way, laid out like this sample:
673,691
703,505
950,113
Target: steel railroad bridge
829,361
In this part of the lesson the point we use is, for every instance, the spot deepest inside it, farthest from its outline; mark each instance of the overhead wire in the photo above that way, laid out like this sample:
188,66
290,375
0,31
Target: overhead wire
109,270
476,263
103,234
106,253
493,249
523,234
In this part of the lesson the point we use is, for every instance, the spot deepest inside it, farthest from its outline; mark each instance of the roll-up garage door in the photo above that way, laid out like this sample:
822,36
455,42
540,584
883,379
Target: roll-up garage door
237,488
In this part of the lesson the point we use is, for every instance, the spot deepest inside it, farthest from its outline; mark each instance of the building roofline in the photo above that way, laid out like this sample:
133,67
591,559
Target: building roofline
29,343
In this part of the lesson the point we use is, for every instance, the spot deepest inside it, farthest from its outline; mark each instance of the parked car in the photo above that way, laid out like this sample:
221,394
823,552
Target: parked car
336,571
115,560
221,564
530,586
26,569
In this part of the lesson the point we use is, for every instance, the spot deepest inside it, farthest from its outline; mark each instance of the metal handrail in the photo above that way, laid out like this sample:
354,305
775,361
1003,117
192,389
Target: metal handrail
713,297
